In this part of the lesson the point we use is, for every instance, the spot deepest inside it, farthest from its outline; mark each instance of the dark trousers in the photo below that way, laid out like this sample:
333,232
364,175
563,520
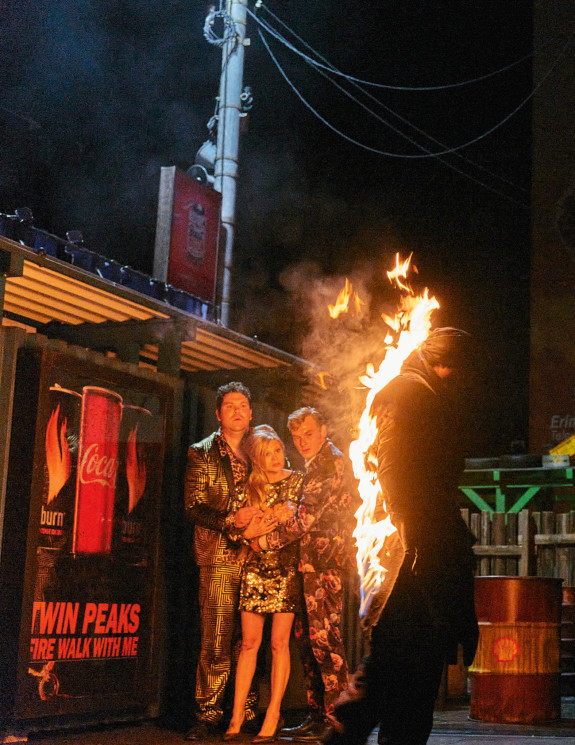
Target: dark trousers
402,675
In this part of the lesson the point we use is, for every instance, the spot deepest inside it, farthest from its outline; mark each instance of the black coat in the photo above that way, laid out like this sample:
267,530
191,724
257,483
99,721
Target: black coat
419,464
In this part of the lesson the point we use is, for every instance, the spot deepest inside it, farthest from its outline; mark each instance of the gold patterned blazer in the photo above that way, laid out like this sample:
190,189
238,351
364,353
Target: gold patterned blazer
208,493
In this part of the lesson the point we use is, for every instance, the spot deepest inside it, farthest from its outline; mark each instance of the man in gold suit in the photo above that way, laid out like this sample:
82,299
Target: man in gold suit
215,466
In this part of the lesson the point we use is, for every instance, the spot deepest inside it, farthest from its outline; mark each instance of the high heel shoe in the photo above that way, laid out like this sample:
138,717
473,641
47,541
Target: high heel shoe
270,738
233,736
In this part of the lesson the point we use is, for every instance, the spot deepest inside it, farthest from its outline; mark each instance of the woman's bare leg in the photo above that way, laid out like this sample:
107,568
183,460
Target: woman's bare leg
252,629
281,628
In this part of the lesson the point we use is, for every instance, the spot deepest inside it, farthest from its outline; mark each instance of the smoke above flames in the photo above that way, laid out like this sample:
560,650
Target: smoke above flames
341,348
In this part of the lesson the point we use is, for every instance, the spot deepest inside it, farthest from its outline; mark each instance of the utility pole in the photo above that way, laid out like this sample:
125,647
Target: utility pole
227,148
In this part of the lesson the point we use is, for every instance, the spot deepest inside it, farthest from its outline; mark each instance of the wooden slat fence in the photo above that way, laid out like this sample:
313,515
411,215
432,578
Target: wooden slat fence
525,544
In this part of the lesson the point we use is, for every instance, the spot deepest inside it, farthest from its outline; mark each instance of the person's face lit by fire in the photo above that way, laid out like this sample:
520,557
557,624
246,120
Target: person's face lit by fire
235,414
273,460
309,437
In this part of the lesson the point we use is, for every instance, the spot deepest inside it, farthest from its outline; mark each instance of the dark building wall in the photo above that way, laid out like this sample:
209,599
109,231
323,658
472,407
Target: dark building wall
552,389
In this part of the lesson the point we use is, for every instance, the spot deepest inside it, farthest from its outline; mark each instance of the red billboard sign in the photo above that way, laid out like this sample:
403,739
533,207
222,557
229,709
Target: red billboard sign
188,234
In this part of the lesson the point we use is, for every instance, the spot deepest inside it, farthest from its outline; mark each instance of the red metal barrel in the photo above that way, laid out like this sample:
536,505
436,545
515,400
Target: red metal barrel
515,676
568,642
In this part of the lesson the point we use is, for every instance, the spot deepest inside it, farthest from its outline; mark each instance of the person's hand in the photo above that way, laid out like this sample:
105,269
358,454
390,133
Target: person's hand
260,525
244,515
283,511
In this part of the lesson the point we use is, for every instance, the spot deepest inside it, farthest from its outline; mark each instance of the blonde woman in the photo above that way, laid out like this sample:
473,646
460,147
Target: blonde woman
270,581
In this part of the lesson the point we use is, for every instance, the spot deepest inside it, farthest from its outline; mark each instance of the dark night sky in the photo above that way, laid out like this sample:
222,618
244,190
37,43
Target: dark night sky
97,95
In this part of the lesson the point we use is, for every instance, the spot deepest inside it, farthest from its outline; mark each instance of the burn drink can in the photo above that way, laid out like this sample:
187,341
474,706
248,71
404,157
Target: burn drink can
56,517
134,477
97,470
61,453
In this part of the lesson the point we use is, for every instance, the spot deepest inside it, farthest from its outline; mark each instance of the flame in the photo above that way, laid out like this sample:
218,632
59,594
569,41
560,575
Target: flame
358,302
58,459
400,270
379,552
321,379
342,302
135,472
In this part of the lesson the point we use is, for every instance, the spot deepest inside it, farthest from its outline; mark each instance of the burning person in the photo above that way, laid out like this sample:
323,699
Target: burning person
416,624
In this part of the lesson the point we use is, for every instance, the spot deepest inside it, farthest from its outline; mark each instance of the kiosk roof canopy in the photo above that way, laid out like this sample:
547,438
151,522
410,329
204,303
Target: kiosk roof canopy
40,290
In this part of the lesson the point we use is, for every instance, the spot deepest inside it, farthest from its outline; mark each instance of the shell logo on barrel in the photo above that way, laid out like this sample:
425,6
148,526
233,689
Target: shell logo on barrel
505,649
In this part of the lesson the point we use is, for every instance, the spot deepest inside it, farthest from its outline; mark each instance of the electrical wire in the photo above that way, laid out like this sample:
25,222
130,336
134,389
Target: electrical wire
373,84
354,82
362,145
426,153
446,150
453,151
229,27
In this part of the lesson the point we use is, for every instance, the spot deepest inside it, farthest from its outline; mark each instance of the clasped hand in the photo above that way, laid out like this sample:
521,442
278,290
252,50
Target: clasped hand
261,524
244,515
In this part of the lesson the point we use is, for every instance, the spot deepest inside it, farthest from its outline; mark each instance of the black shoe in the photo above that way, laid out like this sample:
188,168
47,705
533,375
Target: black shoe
302,728
201,731
314,733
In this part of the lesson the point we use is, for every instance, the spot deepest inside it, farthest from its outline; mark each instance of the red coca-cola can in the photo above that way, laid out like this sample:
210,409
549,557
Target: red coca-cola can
97,470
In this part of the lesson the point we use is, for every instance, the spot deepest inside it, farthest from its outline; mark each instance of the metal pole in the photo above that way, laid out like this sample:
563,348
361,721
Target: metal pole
226,165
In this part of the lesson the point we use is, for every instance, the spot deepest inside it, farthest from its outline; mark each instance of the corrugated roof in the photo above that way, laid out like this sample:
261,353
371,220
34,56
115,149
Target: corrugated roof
51,290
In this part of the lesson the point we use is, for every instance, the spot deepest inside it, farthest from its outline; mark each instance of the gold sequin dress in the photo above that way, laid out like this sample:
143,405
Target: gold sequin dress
270,579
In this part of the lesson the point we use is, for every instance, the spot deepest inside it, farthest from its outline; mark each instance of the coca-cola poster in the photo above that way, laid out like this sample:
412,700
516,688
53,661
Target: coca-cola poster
94,473
195,223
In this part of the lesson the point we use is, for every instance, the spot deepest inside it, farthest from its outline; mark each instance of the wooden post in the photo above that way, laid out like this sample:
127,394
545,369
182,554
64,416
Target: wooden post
525,539
512,564
498,538
546,554
485,540
563,553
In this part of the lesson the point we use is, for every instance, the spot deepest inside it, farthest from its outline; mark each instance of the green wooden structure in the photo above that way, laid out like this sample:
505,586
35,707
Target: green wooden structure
509,490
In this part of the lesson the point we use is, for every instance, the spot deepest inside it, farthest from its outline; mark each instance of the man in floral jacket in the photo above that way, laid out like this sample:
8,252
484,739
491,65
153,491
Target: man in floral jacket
323,524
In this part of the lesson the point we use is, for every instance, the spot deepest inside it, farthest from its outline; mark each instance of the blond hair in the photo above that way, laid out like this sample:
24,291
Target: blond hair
297,418
256,444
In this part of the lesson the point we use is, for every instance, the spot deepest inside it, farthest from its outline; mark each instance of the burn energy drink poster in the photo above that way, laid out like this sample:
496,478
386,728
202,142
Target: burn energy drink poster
92,472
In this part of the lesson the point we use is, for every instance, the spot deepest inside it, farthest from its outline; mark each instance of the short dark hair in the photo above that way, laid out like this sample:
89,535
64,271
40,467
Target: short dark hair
447,346
296,418
233,387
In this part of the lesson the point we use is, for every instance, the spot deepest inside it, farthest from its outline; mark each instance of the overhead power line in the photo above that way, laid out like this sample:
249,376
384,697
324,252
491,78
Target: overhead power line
387,86
362,145
426,153
429,154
